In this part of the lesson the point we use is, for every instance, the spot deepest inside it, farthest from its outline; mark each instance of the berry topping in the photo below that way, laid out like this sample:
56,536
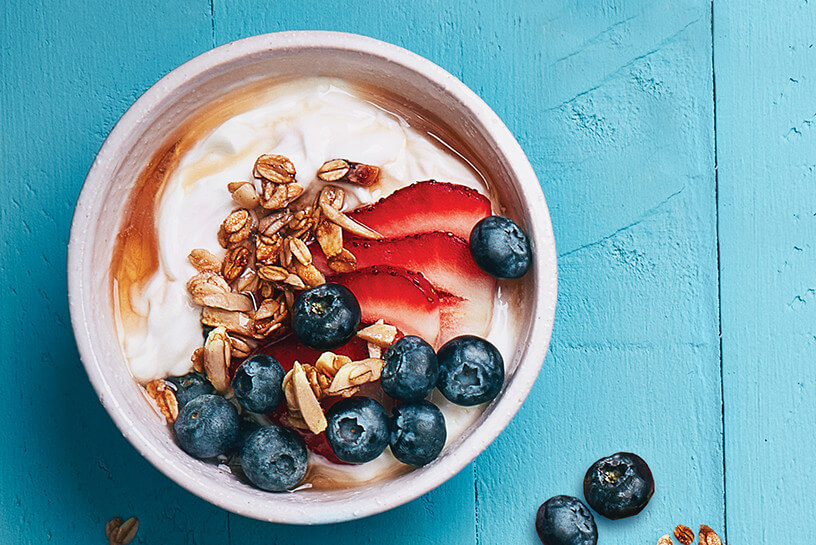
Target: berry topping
400,297
417,433
500,247
411,370
471,370
190,386
564,520
325,317
423,207
207,426
619,485
257,384
274,458
357,429
466,292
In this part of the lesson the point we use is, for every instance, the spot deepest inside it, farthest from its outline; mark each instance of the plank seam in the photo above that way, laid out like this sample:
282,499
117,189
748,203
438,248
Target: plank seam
719,278
476,505
212,22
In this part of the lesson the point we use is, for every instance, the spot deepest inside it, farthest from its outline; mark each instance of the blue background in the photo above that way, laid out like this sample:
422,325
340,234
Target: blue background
675,143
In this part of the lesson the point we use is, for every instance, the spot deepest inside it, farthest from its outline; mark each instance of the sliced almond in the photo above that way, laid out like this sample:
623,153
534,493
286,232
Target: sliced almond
207,283
379,333
217,356
356,373
295,281
267,309
204,260
240,347
244,193
234,322
311,275
330,238
329,363
300,251
226,301
343,262
337,217
307,402
271,224
374,351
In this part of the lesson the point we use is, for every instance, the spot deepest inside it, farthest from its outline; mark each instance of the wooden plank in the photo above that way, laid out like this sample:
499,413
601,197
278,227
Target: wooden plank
69,70
616,115
766,138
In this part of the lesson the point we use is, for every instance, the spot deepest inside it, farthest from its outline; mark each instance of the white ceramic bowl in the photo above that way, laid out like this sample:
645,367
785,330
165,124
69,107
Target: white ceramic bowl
210,76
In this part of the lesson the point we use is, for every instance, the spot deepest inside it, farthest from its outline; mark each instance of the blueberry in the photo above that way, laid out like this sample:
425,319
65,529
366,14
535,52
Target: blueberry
274,458
207,426
357,429
411,369
500,248
564,520
471,370
619,486
246,428
190,386
417,433
325,317
258,384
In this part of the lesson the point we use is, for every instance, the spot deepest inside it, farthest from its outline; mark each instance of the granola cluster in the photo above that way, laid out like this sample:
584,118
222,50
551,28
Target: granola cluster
246,298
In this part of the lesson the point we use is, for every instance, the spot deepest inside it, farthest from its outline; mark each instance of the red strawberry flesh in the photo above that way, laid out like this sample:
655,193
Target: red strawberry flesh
423,207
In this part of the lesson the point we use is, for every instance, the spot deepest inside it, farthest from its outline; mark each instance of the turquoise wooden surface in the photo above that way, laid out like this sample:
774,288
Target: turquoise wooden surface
668,233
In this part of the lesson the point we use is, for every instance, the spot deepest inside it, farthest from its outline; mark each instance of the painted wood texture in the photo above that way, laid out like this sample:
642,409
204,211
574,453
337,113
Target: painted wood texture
614,103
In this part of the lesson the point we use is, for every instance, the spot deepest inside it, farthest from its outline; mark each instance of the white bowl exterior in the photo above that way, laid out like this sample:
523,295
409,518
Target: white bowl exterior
133,141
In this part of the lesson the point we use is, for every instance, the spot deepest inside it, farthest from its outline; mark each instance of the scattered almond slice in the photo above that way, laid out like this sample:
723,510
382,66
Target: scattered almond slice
204,260
217,357
374,351
355,374
379,333
337,217
234,322
307,403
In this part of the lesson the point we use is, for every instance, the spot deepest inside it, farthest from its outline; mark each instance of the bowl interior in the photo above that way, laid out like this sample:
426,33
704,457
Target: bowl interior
428,95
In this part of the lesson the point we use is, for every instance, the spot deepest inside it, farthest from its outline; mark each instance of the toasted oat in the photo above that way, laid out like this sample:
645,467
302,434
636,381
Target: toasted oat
275,168
240,347
300,251
217,356
267,249
267,309
164,397
341,170
271,273
343,262
227,301
198,359
295,281
236,228
121,533
331,195
204,260
277,196
309,274
235,262
379,333
271,224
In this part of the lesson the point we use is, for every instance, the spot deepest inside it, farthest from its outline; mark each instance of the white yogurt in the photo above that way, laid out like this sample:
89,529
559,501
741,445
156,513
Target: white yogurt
309,121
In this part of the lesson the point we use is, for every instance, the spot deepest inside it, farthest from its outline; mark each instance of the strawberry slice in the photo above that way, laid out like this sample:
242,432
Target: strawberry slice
466,292
401,297
423,207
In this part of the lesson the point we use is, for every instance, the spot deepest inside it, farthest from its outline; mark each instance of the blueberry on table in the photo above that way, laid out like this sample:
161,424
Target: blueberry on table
411,369
207,426
619,486
258,384
190,386
325,317
471,370
500,248
274,458
358,429
565,520
418,433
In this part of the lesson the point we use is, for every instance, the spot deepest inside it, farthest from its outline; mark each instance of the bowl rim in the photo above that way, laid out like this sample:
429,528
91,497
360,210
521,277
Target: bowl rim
540,230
